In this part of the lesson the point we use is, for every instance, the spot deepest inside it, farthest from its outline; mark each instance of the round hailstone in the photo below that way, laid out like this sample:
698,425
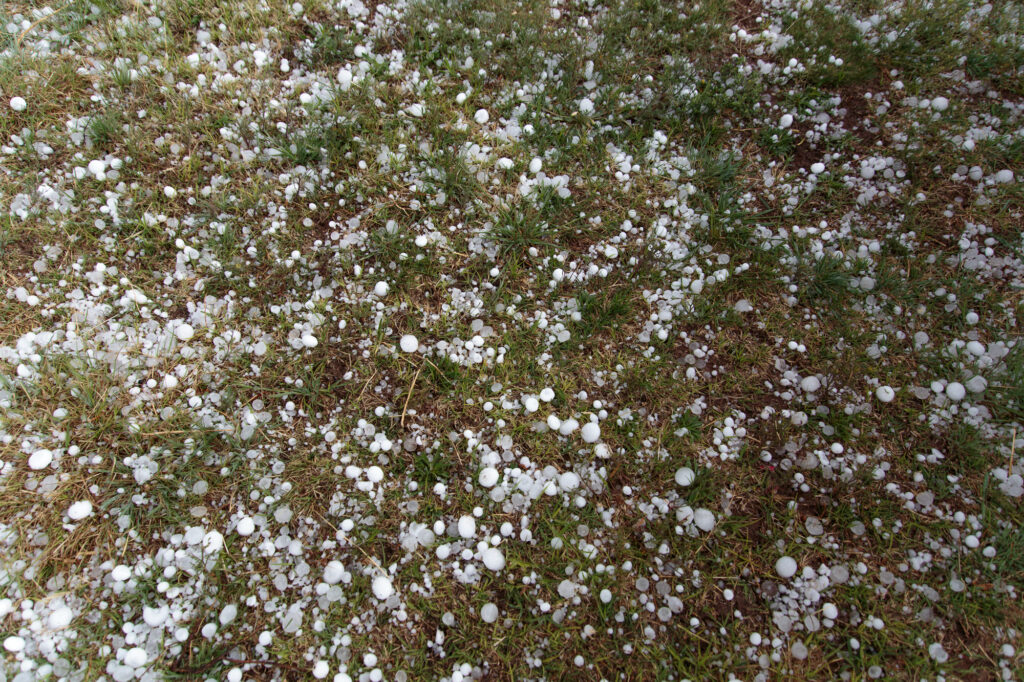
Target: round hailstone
488,477
481,116
568,426
380,289
606,596
333,572
786,120
531,404
810,384
1004,176
382,587
535,165
554,423
40,459
320,670
136,657
184,331
568,481
818,168
246,526
547,394
586,106
18,103
829,610
121,573
14,644
885,394
467,527
493,559
489,613
685,476
409,343
955,391
704,519
154,617
60,618
170,381
940,104
79,510
786,567
375,474
590,432
309,341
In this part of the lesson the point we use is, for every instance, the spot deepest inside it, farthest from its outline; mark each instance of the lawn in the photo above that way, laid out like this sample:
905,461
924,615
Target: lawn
511,340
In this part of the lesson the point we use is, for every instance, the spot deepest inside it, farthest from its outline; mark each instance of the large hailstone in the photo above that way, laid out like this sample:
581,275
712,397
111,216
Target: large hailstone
685,476
467,527
40,459
786,567
590,432
409,343
493,559
488,477
382,587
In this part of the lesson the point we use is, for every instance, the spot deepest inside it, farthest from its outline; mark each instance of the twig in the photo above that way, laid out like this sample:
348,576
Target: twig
413,385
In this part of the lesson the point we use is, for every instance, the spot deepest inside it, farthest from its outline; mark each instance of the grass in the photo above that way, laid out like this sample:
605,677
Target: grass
673,271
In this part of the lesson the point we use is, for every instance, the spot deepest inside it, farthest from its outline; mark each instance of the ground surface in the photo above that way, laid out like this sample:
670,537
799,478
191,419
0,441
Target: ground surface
511,340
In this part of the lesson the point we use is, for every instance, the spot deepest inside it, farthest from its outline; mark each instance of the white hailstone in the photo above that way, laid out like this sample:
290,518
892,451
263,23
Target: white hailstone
409,343
606,596
380,289
488,477
14,644
375,474
531,404
246,526
786,120
493,559
136,657
554,422
382,587
121,573
333,572
568,426
786,567
535,165
568,481
586,106
170,192
155,616
170,381
489,613
98,169
590,432
977,384
228,614
829,610
40,459
184,331
18,103
213,542
940,104
938,654
885,393
481,116
309,341
467,526
415,110
810,384
704,519
505,163
547,394
320,669
685,476
818,168
79,510
1004,176
60,618
955,391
